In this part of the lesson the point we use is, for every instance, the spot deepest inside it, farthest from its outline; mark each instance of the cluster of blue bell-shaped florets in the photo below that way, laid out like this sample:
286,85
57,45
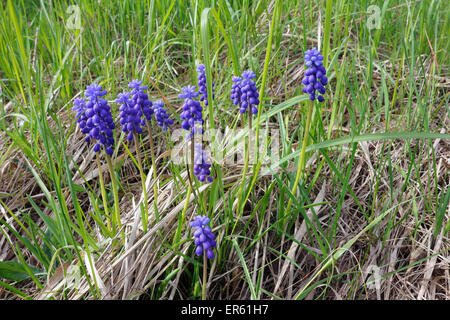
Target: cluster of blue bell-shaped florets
130,115
94,118
315,76
192,110
244,92
204,238
161,115
202,168
202,87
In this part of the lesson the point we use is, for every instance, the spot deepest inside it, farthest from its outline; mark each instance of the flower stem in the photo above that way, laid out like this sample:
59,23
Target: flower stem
302,154
240,207
246,159
143,179
190,170
205,275
155,176
116,220
104,196
183,215
191,167
249,148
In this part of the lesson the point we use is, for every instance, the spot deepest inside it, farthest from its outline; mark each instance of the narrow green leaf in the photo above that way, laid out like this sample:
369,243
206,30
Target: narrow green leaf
14,271
244,266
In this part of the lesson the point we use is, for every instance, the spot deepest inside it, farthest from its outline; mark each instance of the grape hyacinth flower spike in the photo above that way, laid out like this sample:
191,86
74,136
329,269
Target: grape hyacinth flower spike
315,79
236,90
204,241
162,118
80,109
315,76
140,100
245,94
130,115
202,168
248,92
192,109
202,87
204,238
135,112
94,118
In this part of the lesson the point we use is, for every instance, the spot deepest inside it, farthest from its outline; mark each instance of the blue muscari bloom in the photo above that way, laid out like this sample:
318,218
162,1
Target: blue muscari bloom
162,118
140,98
202,168
192,110
244,92
315,77
205,240
188,93
94,91
135,110
202,87
94,118
236,90
136,84
249,92
80,108
130,115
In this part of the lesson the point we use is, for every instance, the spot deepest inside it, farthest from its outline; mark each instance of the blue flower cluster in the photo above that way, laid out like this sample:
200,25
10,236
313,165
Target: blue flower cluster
236,90
135,105
202,87
80,108
192,110
315,77
162,118
130,115
205,240
140,98
192,120
244,92
202,168
94,118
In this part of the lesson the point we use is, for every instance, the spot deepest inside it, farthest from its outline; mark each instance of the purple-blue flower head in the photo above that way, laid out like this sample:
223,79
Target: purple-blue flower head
188,93
192,110
162,118
315,76
202,87
136,85
135,110
80,108
94,91
94,118
244,92
202,168
205,240
249,92
130,115
140,100
236,90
